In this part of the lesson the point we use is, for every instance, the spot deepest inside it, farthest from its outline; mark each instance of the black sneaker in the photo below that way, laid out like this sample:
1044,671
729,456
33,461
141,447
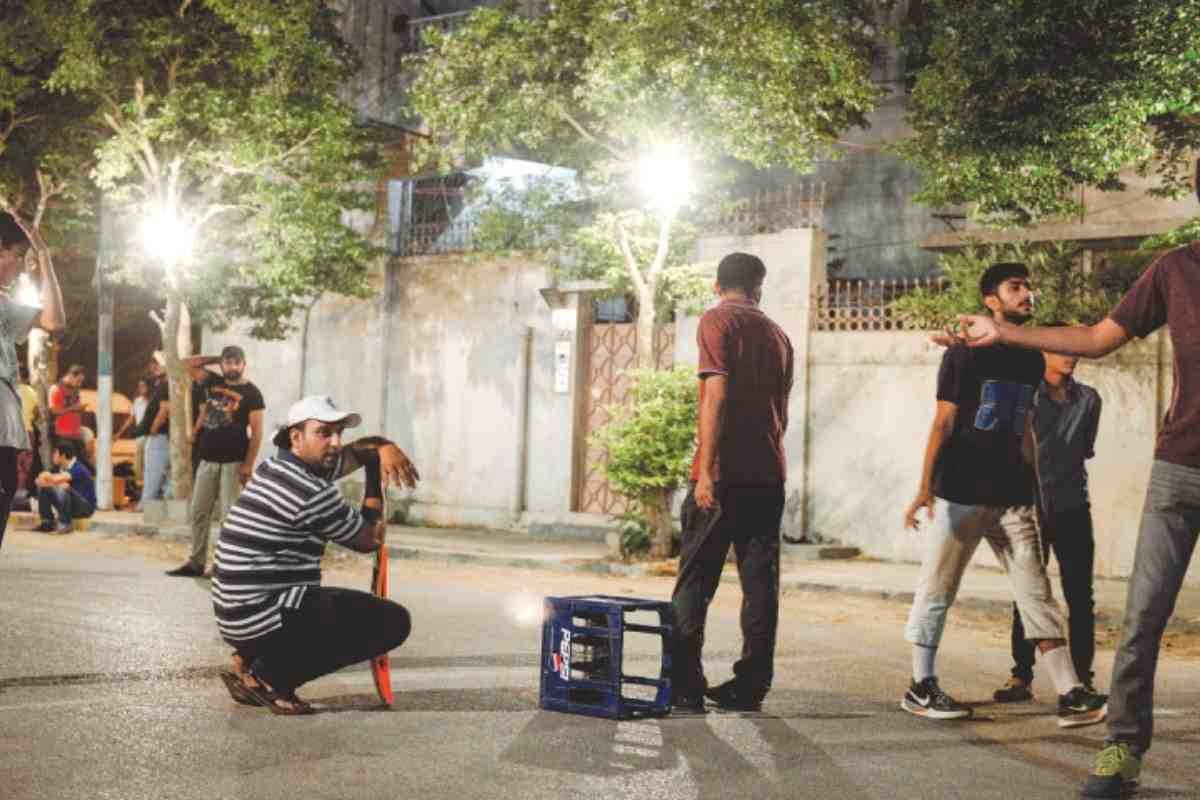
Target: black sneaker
1014,690
926,699
188,570
1080,707
683,705
732,696
44,527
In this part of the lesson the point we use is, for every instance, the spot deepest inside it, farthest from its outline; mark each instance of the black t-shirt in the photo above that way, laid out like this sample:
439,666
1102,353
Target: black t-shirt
158,396
224,413
993,387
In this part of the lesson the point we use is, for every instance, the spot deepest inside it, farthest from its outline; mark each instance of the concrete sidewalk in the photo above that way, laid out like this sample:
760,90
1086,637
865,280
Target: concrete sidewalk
981,588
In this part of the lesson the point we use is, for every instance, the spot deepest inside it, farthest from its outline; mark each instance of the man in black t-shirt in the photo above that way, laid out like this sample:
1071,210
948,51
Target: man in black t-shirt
156,428
227,434
978,467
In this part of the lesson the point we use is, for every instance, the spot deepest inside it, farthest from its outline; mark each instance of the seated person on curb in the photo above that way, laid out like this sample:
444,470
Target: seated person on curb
286,629
67,490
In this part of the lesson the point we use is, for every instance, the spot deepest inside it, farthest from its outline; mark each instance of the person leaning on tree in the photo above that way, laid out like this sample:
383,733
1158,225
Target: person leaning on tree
226,437
16,320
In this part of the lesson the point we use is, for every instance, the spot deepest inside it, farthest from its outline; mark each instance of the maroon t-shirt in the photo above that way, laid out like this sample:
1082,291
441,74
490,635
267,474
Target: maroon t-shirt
1168,293
739,341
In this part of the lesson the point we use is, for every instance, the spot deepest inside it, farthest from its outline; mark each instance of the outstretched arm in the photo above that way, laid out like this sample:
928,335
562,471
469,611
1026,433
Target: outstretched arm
1088,341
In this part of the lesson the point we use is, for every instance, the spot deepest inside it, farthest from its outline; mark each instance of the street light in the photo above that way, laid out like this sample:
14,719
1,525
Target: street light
665,176
167,237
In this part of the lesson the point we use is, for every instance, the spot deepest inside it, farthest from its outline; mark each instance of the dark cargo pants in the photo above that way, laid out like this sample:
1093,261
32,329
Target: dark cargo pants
748,518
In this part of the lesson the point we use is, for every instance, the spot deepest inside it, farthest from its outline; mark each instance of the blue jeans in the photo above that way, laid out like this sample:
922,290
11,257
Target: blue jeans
65,501
158,465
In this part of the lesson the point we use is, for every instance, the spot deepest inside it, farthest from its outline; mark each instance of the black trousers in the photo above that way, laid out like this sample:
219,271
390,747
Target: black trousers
332,629
8,485
748,518
1069,534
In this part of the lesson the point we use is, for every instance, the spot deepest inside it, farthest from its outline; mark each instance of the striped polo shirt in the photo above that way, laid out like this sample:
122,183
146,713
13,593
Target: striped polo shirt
272,542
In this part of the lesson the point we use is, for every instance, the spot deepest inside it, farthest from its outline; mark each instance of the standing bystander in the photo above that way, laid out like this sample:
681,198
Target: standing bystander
66,408
141,400
1066,416
976,484
227,436
26,458
15,322
736,495
156,428
1167,293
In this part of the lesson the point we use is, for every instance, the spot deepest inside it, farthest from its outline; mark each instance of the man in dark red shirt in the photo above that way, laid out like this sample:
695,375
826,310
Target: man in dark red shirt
1168,293
736,495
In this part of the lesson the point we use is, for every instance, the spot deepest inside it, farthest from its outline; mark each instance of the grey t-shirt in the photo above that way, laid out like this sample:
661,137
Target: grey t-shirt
15,321
1066,438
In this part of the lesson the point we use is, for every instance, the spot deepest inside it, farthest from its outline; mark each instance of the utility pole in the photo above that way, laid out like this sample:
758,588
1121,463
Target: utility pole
104,368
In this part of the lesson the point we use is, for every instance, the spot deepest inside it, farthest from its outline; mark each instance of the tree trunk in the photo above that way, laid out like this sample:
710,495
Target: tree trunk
658,514
43,372
177,345
646,318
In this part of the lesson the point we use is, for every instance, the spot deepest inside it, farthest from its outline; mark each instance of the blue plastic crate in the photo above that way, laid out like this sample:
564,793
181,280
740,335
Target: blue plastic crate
583,641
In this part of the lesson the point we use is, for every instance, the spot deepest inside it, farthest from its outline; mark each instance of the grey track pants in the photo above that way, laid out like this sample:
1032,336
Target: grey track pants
1166,539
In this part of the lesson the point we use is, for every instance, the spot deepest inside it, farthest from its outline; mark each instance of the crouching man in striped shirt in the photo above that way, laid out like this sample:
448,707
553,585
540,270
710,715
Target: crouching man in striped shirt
286,629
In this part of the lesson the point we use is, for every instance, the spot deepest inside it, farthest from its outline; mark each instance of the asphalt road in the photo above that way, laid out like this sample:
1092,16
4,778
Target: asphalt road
108,689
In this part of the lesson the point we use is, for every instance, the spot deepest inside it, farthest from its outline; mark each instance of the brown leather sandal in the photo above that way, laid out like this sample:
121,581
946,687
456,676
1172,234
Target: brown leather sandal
238,690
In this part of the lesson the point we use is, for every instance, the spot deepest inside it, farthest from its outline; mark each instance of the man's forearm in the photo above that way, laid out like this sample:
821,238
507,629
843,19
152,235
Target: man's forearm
252,450
712,413
1091,341
362,451
933,448
52,318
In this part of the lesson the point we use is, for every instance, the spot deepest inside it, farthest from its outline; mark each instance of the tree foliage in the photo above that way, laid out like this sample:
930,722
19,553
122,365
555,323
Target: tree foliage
1017,104
1063,292
589,83
596,85
229,111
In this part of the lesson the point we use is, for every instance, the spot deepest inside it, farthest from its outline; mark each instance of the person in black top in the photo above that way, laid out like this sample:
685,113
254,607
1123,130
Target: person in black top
156,428
977,483
226,438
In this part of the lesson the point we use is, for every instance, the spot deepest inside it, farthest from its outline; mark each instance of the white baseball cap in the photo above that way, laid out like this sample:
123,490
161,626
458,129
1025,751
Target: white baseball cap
316,406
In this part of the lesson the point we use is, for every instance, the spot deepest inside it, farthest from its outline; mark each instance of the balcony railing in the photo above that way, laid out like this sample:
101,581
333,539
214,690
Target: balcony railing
799,205
413,36
427,215
865,305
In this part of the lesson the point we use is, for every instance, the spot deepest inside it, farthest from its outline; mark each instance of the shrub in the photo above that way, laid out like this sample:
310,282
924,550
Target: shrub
650,442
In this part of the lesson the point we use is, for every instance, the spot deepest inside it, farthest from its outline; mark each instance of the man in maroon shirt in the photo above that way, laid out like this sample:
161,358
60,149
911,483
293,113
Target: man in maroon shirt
1168,293
736,495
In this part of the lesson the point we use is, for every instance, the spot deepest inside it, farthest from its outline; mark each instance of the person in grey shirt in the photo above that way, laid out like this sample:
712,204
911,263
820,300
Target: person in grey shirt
1065,420
16,320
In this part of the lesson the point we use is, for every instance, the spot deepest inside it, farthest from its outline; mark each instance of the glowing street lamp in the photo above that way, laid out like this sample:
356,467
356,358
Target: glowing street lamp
665,177
166,237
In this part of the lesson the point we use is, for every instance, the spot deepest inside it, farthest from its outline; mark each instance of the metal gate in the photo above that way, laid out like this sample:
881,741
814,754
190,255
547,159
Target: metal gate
611,350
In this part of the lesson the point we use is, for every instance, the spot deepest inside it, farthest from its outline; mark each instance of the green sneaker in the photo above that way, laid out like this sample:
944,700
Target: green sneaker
1114,772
